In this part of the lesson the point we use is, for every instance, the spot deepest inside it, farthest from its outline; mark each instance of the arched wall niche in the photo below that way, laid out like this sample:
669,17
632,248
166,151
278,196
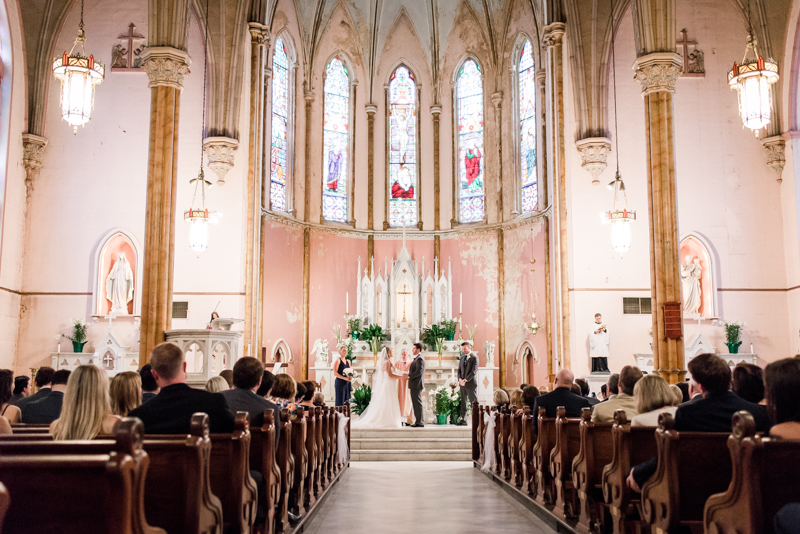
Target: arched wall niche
281,352
693,245
525,357
114,242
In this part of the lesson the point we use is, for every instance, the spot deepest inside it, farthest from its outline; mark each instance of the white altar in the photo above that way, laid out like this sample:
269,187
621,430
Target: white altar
207,351
112,352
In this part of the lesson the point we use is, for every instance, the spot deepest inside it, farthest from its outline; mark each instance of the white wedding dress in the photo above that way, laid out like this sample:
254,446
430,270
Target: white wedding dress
384,405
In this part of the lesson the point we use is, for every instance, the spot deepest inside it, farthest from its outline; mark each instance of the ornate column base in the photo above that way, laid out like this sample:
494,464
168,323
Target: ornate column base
32,151
594,155
775,148
220,152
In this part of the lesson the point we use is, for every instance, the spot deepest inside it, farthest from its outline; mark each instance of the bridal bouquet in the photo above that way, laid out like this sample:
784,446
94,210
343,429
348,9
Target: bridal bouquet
350,373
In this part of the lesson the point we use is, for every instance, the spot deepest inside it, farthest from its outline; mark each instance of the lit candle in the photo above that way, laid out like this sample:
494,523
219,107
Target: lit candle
751,349
460,302
347,303
59,347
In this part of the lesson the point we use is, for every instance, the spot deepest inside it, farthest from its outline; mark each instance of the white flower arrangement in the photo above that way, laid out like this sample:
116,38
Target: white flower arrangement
349,372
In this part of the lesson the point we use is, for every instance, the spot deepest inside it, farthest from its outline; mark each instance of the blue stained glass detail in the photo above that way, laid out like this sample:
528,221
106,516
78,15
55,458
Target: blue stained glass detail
402,149
280,123
469,109
335,133
527,128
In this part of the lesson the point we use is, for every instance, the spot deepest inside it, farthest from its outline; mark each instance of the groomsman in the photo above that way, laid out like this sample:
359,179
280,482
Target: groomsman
467,373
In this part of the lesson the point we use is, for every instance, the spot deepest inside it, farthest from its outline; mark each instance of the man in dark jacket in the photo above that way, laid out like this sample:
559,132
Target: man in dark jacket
149,386
48,408
561,396
247,375
170,412
43,380
22,389
467,379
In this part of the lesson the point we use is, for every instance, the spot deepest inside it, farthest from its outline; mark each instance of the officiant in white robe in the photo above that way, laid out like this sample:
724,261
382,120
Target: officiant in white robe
598,345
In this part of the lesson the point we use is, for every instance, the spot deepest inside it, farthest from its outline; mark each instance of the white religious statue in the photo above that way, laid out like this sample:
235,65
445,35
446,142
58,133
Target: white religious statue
321,349
598,344
402,134
119,286
691,271
488,349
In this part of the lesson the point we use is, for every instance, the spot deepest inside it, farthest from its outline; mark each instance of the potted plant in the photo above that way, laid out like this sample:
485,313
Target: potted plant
439,348
454,394
360,400
374,334
431,333
354,325
442,407
78,336
733,335
449,326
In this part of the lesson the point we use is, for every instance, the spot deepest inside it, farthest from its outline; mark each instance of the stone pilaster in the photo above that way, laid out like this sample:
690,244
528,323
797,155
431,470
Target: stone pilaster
165,68
371,110
32,152
657,73
775,148
436,112
497,102
220,153
594,156
553,41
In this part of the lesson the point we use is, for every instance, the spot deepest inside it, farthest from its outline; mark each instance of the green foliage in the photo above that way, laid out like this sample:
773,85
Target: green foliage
360,399
449,326
431,333
448,400
733,331
354,324
350,344
79,329
373,331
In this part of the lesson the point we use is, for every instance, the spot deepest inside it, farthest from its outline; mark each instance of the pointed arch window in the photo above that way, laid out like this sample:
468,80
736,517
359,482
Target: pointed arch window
280,132
469,110
336,142
526,89
402,168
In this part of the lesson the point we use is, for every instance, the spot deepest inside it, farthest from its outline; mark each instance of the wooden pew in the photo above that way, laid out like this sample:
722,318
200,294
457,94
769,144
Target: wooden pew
692,466
631,446
177,494
5,502
498,455
19,429
766,472
504,437
229,472
311,482
76,486
299,469
596,451
333,420
263,460
477,422
515,436
526,452
545,491
320,477
567,445
285,461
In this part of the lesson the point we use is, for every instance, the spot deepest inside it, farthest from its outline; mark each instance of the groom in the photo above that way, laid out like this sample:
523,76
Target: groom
416,372
467,371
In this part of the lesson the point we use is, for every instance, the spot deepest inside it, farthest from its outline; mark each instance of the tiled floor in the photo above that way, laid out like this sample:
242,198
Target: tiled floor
421,498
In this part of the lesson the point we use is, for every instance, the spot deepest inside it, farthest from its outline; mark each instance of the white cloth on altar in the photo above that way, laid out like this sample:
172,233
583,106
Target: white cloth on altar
598,343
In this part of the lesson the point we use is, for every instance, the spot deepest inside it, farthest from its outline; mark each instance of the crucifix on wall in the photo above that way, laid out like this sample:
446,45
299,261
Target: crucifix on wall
126,56
692,61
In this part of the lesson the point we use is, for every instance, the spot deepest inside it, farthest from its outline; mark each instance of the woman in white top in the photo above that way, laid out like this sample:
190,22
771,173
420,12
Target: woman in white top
653,397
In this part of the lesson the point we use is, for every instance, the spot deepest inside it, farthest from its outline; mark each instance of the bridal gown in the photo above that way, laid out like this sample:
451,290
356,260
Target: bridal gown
384,406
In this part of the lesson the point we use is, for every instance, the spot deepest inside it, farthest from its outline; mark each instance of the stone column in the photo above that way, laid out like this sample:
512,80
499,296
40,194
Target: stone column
436,111
32,151
657,72
259,42
553,37
166,68
497,101
371,110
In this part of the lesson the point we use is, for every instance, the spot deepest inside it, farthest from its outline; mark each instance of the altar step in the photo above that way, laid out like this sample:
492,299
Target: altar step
432,443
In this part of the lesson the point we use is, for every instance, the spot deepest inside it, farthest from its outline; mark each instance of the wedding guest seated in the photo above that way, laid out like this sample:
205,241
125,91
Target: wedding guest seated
48,409
171,411
684,387
217,384
319,399
653,397
248,375
529,395
604,392
516,398
149,386
227,374
300,392
561,396
787,520
283,392
712,413
267,381
500,398
613,386
782,380
87,409
43,381
585,391
748,382
125,392
576,389
604,412
308,396
7,409
22,388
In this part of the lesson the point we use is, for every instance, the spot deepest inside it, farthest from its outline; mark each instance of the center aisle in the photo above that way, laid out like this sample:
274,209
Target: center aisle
421,498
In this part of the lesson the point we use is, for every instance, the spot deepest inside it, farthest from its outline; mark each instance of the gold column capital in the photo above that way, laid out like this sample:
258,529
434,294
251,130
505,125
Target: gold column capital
165,66
658,72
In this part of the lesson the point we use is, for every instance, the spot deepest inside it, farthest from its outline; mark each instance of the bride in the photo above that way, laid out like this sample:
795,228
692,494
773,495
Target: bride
384,406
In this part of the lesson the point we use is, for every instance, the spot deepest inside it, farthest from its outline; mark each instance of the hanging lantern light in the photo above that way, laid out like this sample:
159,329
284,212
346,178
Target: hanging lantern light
751,79
197,215
78,74
620,219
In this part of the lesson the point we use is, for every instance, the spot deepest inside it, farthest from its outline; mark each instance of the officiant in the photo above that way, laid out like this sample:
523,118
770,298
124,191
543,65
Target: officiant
598,345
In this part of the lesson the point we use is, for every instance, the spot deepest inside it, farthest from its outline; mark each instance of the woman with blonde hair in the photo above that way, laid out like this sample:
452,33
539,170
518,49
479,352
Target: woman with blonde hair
653,397
217,384
125,392
500,397
516,398
86,411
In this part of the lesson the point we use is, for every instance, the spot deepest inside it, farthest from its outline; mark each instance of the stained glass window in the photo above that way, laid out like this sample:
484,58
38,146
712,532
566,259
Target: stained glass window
402,149
527,128
280,126
469,102
335,133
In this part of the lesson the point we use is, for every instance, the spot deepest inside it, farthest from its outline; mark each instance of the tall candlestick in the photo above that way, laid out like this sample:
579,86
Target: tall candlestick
59,347
347,303
751,349
460,302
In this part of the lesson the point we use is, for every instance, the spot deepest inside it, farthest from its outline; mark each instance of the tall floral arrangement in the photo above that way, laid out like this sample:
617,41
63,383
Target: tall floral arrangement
733,335
79,329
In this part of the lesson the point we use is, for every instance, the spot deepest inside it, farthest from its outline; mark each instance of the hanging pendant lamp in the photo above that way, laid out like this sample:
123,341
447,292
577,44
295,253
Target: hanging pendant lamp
751,80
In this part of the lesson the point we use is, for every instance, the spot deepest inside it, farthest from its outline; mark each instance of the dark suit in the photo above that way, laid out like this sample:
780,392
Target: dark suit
246,400
148,395
560,397
16,398
45,410
39,395
416,383
171,411
712,413
468,370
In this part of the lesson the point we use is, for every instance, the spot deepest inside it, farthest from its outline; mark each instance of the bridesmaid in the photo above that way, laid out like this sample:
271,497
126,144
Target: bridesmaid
403,393
342,383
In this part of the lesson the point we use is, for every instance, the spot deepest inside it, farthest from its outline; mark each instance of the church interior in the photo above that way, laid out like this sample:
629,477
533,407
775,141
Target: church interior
565,185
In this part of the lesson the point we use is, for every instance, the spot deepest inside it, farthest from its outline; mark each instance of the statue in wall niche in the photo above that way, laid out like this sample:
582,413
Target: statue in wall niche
488,349
691,271
321,349
119,285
